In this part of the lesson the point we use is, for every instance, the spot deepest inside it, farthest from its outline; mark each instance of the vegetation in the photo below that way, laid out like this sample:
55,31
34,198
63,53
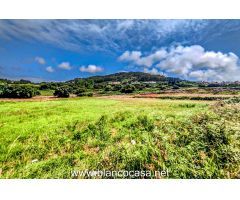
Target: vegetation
17,91
201,98
61,92
195,136
119,83
191,139
128,89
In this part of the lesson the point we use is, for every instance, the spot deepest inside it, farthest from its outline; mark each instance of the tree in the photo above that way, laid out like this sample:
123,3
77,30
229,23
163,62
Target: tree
22,81
162,87
61,92
128,89
89,84
44,86
80,92
17,91
176,87
108,88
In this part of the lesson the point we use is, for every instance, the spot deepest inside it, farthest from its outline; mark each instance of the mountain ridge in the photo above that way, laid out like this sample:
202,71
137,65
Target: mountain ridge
133,76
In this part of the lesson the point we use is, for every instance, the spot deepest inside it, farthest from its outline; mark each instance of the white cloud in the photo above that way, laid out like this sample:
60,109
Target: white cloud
91,69
191,62
50,69
130,56
147,61
100,35
65,65
125,24
40,60
152,71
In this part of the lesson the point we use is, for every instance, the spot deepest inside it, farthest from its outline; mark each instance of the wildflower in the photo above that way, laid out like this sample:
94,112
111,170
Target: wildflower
133,142
35,160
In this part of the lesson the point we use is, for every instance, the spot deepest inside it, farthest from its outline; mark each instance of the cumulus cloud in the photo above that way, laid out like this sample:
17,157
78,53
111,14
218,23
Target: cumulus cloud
191,62
65,65
40,60
130,56
50,69
152,71
91,69
147,61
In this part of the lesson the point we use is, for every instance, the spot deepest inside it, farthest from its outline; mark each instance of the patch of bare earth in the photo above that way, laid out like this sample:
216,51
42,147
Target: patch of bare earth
117,97
152,95
36,98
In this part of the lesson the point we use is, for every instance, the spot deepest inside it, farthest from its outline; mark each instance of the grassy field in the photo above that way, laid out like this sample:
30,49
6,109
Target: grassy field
47,92
49,139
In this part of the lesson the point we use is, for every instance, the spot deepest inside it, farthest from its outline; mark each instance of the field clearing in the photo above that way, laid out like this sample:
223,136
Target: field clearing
34,116
187,94
48,138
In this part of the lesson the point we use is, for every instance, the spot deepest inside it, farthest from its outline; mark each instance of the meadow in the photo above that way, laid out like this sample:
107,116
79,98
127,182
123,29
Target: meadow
51,138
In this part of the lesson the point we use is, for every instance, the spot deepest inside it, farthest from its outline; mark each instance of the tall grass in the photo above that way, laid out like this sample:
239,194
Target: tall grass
198,143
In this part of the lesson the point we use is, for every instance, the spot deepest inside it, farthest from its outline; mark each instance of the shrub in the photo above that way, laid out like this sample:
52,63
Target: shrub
117,87
44,86
80,91
176,87
162,87
17,91
232,100
128,89
85,94
203,98
108,88
61,92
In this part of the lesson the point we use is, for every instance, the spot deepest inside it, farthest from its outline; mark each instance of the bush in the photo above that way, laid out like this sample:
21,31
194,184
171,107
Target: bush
128,89
108,88
61,92
81,92
176,87
17,91
162,87
233,100
84,94
200,98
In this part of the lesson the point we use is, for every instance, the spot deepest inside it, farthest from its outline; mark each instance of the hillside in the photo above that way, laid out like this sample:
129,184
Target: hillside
128,76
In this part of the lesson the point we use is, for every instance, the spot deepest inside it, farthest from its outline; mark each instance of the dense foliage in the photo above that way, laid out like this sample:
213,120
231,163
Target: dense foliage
61,92
17,91
128,89
125,82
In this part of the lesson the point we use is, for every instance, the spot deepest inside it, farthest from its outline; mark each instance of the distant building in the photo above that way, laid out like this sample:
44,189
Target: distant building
115,83
150,82
135,83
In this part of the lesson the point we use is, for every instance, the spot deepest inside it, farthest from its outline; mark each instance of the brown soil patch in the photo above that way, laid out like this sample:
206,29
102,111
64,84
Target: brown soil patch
152,95
36,98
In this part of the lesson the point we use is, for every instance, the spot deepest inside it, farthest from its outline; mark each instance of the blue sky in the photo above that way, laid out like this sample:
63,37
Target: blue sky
59,50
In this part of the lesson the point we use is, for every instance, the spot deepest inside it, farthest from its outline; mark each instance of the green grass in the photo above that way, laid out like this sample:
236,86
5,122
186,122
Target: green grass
46,92
94,133
37,117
